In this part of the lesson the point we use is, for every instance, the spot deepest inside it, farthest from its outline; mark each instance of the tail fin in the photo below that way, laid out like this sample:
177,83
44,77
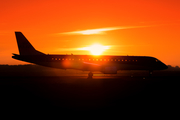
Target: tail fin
25,47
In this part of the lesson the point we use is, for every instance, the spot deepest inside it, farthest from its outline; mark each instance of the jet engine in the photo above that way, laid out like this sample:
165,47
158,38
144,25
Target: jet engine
109,70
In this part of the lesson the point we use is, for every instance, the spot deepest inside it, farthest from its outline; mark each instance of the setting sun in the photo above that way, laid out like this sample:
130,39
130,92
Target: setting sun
95,49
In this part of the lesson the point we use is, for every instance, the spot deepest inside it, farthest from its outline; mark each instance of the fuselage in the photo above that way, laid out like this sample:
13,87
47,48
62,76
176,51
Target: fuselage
105,64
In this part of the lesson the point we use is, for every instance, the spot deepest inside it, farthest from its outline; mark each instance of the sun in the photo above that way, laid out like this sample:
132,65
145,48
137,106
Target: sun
96,49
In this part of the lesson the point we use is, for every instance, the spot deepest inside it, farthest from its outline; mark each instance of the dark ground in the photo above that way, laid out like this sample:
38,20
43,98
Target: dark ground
102,93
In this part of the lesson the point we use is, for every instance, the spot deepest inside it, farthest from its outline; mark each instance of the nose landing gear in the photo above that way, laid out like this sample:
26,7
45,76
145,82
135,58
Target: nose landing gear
90,74
150,73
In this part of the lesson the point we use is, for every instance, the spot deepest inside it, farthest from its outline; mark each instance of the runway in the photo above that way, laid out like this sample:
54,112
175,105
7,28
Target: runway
81,94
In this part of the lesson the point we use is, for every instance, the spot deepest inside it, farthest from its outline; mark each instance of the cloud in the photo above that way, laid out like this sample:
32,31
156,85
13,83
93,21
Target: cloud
99,30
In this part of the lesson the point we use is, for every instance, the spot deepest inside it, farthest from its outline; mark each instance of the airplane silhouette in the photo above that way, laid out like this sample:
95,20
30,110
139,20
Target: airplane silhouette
104,63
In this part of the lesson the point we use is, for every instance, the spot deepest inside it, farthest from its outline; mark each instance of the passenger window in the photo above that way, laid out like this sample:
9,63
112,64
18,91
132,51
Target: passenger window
52,58
136,60
108,60
96,59
89,59
63,59
100,59
125,60
104,59
55,58
122,60
59,58
111,59
72,59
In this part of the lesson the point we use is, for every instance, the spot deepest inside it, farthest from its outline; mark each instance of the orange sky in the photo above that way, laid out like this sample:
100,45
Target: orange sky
43,21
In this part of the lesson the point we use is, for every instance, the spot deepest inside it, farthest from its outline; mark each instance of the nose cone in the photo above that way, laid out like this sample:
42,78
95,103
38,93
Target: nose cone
163,66
160,66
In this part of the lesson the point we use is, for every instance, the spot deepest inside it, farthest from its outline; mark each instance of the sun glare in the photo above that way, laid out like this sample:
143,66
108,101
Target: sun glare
95,49
89,32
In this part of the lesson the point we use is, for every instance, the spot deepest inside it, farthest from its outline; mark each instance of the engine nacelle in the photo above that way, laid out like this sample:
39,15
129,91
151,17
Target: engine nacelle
109,70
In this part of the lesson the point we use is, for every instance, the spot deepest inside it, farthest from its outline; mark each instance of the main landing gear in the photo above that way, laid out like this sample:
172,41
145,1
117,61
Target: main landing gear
150,73
90,74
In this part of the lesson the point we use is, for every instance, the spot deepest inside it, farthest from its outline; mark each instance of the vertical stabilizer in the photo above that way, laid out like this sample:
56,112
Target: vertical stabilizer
25,47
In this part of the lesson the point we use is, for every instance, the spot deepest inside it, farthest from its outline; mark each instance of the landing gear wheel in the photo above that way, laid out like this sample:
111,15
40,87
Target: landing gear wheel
90,74
150,73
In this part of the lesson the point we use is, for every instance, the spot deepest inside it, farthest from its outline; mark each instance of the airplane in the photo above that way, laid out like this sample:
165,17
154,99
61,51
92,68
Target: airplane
106,64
